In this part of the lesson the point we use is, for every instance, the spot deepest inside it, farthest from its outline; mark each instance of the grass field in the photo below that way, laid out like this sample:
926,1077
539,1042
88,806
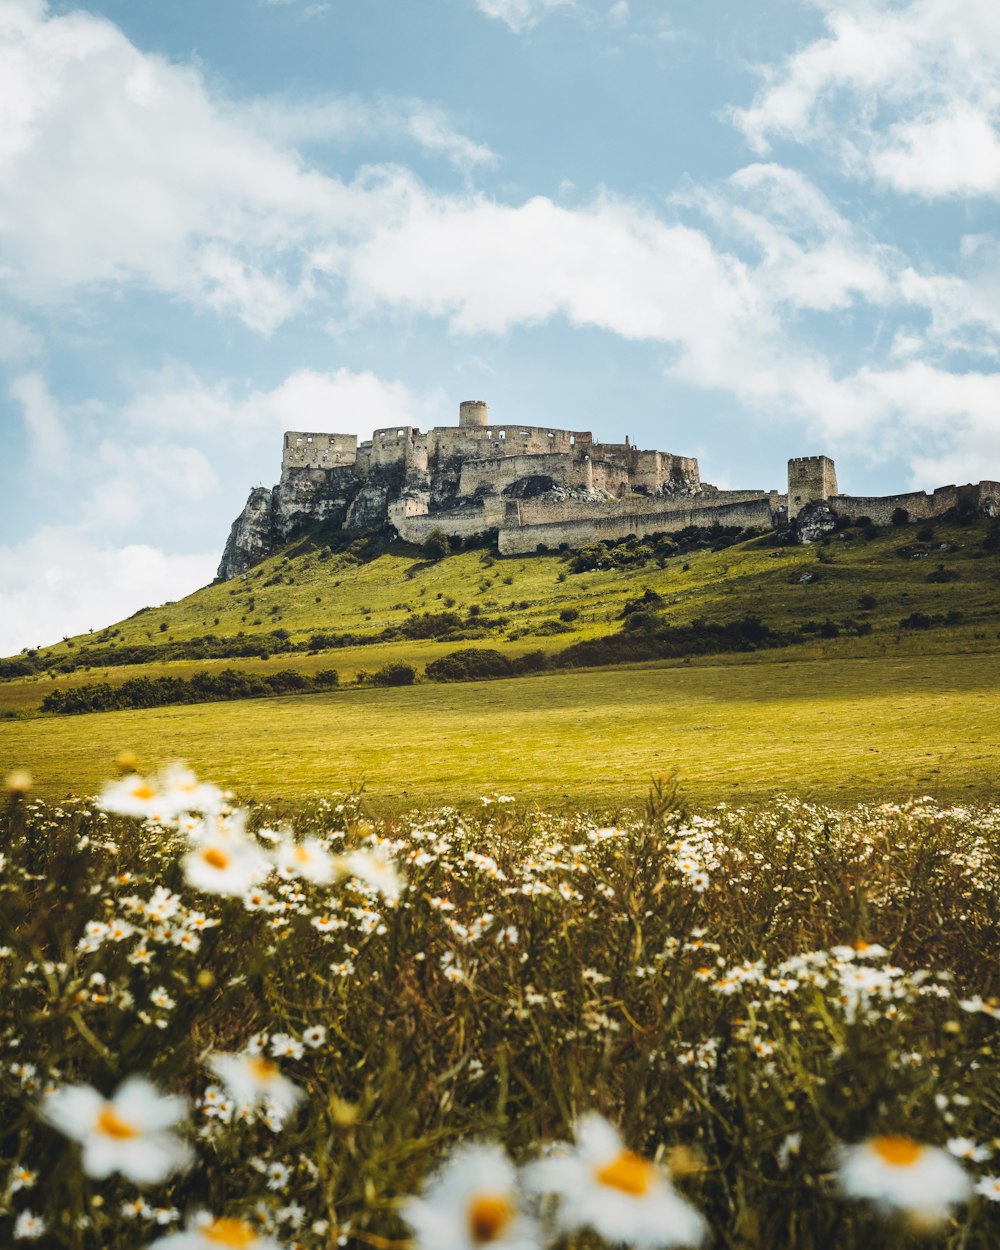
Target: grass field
839,730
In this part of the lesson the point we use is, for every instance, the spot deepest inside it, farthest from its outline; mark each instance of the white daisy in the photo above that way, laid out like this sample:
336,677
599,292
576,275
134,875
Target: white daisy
226,1233
126,1133
28,1226
989,1187
308,859
222,861
251,1080
621,1196
470,1203
899,1173
314,1036
374,868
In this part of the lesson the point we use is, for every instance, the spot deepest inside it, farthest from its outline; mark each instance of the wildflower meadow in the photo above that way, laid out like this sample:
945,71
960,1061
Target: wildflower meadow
226,1026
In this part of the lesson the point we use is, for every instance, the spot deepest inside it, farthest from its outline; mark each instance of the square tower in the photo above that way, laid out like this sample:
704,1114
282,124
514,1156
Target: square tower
811,479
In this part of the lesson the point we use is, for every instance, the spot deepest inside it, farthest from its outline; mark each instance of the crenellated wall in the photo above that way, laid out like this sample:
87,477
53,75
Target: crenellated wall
479,477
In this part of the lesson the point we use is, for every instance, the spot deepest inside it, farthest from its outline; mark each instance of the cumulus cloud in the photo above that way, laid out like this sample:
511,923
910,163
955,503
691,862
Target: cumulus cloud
522,15
48,439
176,398
907,93
61,582
119,167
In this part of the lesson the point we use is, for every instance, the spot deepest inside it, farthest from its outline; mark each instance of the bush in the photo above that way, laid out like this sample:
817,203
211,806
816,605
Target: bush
569,614
436,545
397,674
469,664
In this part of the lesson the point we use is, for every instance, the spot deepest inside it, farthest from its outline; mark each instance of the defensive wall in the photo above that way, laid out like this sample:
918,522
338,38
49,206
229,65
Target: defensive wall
304,450
634,491
521,539
981,497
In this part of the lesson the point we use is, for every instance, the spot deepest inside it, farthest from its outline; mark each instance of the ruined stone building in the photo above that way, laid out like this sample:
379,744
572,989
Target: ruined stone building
533,486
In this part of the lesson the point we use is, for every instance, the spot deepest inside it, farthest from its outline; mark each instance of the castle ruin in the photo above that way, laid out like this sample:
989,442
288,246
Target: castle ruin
534,487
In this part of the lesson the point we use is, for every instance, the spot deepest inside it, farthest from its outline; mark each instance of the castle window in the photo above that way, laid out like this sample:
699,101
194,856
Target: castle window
502,434
572,440
400,433
551,435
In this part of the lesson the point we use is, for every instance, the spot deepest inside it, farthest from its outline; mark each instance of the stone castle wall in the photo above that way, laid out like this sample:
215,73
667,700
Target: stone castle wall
302,450
480,477
522,539
979,497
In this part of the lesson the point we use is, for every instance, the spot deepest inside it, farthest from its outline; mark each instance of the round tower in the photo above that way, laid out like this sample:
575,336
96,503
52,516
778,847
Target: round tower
473,414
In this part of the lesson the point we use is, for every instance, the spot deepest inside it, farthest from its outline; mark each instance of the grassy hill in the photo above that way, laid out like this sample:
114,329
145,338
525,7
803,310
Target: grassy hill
324,603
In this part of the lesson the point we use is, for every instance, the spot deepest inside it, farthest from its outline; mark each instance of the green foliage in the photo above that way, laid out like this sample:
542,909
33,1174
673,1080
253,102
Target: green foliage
470,664
395,675
436,545
204,687
690,979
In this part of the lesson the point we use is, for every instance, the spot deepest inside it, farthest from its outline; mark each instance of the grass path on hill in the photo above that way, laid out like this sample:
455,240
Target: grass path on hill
837,731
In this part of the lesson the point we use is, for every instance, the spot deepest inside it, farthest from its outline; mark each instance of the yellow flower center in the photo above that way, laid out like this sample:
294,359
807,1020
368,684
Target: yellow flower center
216,858
860,947
263,1069
144,791
629,1173
110,1123
489,1215
302,856
234,1233
896,1150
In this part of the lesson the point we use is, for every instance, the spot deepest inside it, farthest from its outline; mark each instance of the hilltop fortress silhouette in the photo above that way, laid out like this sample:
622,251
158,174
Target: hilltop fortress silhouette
535,488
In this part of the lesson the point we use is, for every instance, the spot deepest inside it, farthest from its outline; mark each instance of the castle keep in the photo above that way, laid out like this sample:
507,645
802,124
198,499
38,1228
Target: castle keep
533,486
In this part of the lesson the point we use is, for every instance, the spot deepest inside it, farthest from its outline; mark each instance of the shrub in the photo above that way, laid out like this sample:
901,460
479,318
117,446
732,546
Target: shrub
569,614
469,664
396,674
436,545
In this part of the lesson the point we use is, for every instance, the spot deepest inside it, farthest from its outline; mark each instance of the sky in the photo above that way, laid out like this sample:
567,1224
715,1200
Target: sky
737,231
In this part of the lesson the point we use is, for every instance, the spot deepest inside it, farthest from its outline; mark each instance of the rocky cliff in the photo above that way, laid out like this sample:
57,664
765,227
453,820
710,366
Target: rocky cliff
270,518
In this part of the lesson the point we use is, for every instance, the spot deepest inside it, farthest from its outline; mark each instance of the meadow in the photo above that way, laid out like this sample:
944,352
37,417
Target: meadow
753,1027
858,708
835,730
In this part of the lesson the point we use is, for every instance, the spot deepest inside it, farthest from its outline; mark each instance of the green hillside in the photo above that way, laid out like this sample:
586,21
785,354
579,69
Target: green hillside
367,591
861,626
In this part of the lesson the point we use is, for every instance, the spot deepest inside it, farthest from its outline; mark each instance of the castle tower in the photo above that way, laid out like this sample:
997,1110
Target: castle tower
473,414
811,479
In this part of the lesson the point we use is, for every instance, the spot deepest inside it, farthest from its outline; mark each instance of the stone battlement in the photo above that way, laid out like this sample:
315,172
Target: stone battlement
536,487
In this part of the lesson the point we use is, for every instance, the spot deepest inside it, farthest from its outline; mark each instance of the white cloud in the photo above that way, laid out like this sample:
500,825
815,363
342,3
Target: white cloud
810,255
118,167
175,398
48,440
60,582
303,121
18,342
522,15
907,93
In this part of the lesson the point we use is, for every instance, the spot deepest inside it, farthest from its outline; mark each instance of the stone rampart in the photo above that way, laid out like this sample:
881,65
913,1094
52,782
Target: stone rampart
978,497
304,450
456,523
444,442
497,473
523,539
541,512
